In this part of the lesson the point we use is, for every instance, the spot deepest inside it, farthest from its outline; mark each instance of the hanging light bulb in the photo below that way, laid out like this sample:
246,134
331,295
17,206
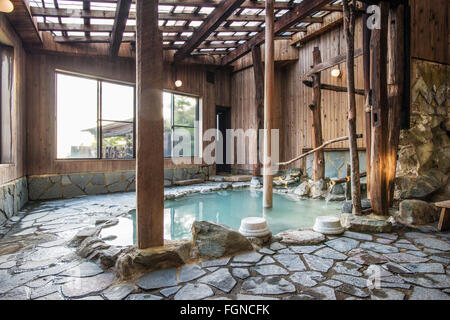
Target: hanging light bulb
178,83
6,6
336,73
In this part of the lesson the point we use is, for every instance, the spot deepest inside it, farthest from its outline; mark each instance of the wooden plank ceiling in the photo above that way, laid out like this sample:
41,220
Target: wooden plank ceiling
228,28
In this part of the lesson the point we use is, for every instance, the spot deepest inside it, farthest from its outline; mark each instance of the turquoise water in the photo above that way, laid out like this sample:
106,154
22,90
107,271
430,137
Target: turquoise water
229,208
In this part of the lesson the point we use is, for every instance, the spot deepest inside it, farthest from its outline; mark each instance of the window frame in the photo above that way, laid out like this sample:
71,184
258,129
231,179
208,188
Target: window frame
12,111
172,119
99,120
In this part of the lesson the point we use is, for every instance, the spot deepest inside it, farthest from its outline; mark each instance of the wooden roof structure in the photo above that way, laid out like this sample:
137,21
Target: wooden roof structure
224,28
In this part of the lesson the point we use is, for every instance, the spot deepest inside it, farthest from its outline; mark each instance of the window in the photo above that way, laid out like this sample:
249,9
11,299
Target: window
6,105
181,118
95,118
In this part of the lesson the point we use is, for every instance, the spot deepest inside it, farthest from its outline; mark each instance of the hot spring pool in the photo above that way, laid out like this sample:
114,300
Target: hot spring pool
226,207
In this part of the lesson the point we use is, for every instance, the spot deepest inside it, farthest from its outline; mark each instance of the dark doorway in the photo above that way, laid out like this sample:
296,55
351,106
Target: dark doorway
223,122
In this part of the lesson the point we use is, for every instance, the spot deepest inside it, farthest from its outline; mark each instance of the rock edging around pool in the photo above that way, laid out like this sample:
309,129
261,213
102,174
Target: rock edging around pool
209,241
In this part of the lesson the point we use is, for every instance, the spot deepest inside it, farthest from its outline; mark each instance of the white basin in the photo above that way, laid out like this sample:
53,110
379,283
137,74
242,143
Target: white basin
254,227
328,225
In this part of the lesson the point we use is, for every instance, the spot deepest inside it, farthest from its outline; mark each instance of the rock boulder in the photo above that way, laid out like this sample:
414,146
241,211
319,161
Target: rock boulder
299,237
319,189
214,240
173,254
303,189
442,194
347,206
417,212
419,187
365,224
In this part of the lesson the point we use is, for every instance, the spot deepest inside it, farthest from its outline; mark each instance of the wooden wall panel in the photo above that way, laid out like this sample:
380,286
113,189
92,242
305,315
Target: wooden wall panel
244,108
9,172
283,52
41,106
294,117
429,30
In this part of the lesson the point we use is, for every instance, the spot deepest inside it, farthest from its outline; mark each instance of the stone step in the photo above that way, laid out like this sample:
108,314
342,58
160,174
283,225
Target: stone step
231,178
188,182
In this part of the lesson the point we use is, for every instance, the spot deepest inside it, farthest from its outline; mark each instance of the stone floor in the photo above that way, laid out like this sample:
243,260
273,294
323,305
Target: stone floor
36,263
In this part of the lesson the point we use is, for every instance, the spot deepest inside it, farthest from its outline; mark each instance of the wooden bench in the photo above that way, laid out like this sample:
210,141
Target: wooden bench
444,221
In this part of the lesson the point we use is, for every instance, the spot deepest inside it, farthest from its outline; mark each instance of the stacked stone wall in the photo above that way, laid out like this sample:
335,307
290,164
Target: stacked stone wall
48,187
13,196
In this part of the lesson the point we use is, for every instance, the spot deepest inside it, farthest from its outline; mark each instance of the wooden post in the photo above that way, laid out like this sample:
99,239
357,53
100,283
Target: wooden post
319,158
368,104
378,177
348,185
349,31
258,72
396,70
268,102
149,152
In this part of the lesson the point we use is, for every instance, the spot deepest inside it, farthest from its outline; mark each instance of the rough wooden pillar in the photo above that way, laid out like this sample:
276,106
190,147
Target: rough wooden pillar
269,93
258,73
378,177
349,30
396,70
348,185
368,104
319,158
149,151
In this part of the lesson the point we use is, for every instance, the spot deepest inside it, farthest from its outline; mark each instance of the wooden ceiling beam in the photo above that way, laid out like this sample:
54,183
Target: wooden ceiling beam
317,33
24,23
248,4
91,39
102,14
105,39
79,27
220,14
296,14
108,28
87,21
120,21
56,5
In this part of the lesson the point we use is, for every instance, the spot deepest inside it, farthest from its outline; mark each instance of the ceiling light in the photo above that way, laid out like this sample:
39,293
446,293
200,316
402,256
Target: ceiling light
178,83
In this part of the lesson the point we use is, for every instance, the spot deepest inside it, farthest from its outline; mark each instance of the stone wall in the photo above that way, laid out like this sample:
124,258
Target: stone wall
424,157
13,196
48,187
426,145
336,163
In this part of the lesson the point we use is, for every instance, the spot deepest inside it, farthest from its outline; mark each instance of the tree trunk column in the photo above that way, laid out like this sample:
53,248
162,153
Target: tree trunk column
319,157
149,141
268,102
368,104
258,75
349,30
379,163
396,73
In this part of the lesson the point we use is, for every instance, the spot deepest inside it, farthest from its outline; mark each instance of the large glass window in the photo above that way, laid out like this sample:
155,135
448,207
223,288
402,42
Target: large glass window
181,123
95,118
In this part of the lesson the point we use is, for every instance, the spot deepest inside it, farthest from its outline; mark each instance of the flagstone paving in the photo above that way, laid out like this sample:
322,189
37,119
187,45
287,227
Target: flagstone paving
37,263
